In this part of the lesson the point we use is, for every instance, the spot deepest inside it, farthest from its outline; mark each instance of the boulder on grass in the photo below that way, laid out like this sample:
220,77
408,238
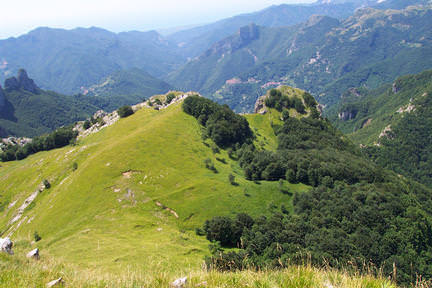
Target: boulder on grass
57,282
6,245
179,283
34,254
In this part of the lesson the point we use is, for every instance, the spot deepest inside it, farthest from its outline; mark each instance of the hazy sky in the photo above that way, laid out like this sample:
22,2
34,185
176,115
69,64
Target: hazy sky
19,17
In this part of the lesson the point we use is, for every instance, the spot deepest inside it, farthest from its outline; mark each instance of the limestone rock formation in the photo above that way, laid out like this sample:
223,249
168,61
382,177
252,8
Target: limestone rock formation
260,105
25,82
56,282
6,245
179,283
22,81
34,254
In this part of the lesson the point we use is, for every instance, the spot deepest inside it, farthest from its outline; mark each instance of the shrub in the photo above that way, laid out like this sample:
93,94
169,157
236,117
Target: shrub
209,165
46,184
158,102
169,98
125,111
231,179
86,125
74,166
36,236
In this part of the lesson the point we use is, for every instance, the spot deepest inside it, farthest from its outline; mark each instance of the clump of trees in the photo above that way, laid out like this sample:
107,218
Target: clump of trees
222,125
57,139
125,111
227,231
276,99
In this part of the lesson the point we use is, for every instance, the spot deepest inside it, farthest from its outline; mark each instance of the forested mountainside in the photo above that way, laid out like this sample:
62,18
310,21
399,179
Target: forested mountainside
392,123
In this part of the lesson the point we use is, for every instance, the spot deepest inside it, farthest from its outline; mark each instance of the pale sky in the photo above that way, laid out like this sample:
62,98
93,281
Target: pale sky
19,17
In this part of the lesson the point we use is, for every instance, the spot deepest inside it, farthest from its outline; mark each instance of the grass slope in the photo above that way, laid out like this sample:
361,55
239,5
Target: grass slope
104,214
24,273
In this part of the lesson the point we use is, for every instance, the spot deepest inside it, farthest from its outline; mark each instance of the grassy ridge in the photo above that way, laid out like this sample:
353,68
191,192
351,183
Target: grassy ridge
105,214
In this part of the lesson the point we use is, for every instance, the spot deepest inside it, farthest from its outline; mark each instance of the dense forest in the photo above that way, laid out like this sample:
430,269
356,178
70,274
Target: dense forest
357,214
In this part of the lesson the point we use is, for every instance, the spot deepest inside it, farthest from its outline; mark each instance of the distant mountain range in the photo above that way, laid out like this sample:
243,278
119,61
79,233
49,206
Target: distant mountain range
67,60
126,87
323,55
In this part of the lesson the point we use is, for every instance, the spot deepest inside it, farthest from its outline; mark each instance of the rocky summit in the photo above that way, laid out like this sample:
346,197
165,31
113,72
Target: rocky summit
22,81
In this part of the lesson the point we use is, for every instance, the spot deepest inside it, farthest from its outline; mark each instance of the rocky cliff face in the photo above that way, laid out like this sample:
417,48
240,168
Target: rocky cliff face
2,98
347,115
22,81
244,36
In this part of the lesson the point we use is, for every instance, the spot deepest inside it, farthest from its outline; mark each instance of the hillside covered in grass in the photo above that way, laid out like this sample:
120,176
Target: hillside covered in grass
140,187
144,196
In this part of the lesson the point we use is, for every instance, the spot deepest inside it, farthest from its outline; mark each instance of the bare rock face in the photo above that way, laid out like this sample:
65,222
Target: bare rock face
34,254
347,115
22,81
11,84
56,282
6,245
395,88
260,105
2,97
25,82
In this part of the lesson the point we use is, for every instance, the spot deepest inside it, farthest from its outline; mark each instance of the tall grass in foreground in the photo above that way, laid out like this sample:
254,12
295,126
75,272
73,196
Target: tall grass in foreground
16,271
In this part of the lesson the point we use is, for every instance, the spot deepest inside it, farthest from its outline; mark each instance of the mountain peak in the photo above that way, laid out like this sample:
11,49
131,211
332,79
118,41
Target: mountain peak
21,81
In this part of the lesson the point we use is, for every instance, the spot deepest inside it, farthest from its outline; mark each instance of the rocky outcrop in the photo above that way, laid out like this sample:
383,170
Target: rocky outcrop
260,107
56,282
22,81
179,283
244,36
34,254
11,84
25,82
347,115
6,245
